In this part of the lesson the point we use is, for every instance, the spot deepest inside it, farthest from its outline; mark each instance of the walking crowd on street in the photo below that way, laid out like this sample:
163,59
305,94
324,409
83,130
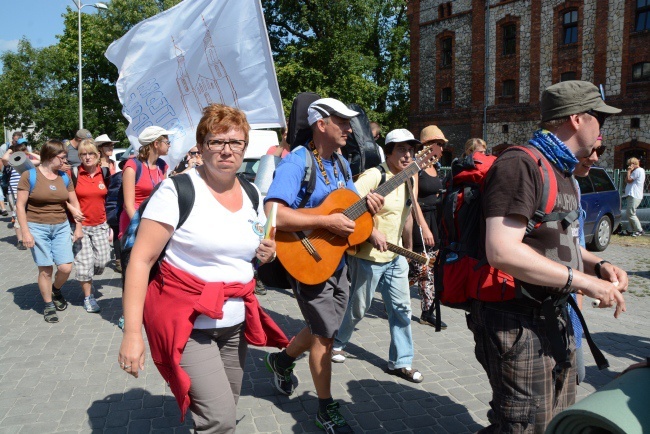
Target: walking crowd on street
499,237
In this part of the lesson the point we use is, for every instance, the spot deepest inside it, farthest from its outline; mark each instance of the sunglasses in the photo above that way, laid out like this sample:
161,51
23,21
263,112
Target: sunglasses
194,152
600,117
599,151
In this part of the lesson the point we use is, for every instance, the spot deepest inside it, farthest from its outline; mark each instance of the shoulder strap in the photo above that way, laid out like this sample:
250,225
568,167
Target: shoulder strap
32,179
344,167
75,174
309,177
106,174
66,178
185,191
138,169
250,190
382,170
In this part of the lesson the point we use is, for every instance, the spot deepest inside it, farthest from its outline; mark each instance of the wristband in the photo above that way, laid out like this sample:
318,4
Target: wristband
275,255
569,280
597,268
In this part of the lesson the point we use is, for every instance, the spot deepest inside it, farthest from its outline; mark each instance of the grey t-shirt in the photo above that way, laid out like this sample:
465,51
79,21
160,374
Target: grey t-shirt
73,156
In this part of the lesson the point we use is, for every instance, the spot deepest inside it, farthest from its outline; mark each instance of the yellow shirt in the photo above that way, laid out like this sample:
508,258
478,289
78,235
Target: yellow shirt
390,220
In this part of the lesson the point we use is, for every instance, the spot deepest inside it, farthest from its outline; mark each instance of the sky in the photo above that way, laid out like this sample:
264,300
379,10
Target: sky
38,20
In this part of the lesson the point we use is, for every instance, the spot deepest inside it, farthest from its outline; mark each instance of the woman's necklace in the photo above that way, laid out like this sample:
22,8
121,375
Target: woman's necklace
319,160
158,176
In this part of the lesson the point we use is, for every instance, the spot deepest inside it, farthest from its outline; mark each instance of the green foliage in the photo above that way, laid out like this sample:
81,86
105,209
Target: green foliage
40,86
357,51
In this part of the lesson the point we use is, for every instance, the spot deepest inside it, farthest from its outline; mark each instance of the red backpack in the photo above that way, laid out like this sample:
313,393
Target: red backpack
462,272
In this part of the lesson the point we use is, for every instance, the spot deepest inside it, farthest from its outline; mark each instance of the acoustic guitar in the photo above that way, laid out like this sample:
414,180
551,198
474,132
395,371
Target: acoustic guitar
420,259
311,257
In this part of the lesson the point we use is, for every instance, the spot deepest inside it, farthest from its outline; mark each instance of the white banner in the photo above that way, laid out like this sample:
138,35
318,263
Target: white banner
197,53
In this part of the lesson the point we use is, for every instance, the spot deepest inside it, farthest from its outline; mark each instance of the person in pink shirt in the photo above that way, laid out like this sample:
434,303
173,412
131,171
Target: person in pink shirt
149,166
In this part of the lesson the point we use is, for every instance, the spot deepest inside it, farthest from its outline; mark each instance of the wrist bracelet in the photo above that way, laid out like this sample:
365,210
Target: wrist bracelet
569,280
275,255
597,268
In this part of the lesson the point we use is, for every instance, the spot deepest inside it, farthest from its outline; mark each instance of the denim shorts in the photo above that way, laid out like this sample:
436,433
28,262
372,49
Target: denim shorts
52,243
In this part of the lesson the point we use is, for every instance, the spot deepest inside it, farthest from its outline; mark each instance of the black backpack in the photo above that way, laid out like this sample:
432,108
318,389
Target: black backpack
361,151
299,132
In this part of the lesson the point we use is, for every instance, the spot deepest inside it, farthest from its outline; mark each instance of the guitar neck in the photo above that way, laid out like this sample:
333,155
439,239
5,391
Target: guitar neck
421,259
361,206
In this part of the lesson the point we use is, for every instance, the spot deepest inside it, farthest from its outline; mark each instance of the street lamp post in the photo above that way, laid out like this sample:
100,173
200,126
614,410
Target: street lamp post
79,6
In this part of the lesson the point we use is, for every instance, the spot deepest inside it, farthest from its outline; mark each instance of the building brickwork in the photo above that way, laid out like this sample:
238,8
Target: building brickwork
597,41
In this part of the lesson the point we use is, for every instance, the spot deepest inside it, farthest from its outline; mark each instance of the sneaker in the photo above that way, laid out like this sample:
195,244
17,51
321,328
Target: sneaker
281,377
338,356
59,301
4,212
332,421
90,304
21,246
260,289
637,234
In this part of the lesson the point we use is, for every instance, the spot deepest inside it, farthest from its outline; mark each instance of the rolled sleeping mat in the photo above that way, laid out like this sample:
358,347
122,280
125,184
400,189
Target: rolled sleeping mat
20,161
621,407
265,171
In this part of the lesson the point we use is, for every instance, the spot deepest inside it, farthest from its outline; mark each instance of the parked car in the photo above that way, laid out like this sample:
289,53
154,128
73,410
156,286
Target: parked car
642,212
602,203
117,154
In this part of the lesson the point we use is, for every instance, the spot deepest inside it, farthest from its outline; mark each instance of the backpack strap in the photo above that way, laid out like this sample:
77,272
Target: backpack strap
309,176
138,169
185,191
344,167
549,193
66,178
599,358
74,171
106,174
409,187
250,190
32,179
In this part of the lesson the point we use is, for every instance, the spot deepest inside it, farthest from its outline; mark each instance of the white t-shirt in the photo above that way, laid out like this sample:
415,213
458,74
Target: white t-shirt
635,188
213,244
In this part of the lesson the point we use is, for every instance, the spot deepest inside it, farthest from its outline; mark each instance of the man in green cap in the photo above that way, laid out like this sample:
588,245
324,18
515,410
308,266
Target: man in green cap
526,344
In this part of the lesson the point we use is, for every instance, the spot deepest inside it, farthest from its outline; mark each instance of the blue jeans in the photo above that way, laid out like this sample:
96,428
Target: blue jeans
52,243
391,280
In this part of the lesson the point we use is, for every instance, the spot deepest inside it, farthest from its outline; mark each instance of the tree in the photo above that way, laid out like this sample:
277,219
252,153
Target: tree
40,86
357,51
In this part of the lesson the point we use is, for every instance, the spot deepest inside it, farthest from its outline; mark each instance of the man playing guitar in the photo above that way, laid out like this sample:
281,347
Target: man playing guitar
375,268
322,305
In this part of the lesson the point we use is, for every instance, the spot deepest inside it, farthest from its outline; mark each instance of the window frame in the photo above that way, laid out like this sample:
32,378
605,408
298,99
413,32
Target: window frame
509,41
510,83
645,67
444,92
446,53
575,76
571,26
642,12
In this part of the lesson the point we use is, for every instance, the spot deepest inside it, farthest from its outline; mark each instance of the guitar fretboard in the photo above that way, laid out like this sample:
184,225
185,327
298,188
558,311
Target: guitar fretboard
407,253
361,206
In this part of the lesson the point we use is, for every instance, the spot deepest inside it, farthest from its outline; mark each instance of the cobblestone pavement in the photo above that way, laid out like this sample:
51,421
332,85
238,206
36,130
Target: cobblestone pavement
64,378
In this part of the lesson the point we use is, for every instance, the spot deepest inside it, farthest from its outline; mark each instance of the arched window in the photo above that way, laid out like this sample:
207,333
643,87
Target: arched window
446,55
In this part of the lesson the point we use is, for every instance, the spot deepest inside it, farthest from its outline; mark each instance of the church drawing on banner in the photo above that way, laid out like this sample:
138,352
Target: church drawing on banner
216,89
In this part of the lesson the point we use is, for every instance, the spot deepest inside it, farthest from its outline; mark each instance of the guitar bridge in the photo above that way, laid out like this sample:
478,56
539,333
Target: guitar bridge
309,246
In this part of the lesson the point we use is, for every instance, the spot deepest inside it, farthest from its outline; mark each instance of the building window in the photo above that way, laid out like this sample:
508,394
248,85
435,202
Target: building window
445,95
635,123
570,27
444,10
510,39
642,15
508,88
505,129
447,55
566,76
641,71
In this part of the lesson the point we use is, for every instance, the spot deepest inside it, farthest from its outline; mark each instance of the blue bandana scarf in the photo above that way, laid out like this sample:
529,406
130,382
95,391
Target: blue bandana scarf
554,150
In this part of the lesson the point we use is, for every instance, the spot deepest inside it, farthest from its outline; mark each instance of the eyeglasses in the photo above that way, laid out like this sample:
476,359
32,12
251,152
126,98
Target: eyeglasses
599,151
236,146
195,152
600,117
87,154
62,157
166,142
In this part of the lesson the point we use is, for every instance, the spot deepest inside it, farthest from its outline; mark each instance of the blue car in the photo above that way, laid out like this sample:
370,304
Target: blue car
602,203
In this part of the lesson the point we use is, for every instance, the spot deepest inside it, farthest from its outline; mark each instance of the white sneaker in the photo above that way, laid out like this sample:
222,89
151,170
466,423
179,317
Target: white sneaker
338,356
90,304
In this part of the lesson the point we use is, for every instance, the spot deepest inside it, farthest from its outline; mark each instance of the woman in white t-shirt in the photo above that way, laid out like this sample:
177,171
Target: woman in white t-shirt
200,311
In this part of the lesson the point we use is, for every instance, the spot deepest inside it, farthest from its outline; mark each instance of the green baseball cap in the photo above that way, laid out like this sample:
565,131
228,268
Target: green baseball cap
573,97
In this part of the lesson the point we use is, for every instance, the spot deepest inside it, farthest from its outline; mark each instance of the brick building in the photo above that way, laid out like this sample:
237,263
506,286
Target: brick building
520,47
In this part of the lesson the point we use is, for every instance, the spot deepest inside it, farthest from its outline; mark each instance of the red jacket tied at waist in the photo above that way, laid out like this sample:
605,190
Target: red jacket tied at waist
174,299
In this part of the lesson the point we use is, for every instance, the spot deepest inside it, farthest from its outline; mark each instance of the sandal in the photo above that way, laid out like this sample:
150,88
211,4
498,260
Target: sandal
59,300
412,375
49,314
